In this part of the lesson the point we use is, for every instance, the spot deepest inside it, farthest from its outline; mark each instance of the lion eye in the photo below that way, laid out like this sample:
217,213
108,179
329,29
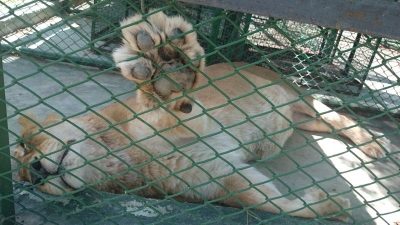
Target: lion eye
37,165
24,147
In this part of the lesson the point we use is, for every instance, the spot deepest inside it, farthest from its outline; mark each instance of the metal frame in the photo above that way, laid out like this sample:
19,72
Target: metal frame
373,17
7,210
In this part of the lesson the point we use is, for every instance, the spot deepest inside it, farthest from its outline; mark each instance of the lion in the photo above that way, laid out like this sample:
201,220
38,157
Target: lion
190,132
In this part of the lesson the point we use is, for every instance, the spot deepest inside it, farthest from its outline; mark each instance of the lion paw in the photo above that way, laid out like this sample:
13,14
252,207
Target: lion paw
329,205
162,49
144,41
377,148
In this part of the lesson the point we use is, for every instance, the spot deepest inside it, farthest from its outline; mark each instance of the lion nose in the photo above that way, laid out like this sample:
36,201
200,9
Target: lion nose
37,172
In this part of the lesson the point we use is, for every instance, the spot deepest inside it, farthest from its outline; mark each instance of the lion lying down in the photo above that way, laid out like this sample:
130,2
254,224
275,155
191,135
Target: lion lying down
205,139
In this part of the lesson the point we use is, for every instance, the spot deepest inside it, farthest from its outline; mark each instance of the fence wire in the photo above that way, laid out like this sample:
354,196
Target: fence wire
56,58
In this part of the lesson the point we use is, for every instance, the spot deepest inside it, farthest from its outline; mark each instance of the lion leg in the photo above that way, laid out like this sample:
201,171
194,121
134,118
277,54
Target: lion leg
216,180
312,205
330,121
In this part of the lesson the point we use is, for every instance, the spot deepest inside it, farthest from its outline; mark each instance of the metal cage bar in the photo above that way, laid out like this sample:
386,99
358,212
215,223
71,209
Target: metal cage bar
7,211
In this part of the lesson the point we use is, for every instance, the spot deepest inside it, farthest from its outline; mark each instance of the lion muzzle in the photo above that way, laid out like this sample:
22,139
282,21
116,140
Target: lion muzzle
38,173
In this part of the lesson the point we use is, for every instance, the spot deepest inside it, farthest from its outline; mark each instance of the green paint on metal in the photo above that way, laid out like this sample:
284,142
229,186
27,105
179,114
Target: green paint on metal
6,182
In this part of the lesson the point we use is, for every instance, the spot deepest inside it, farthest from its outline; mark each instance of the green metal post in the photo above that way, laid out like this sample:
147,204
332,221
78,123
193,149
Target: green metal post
7,210
352,53
328,45
232,34
214,36
242,45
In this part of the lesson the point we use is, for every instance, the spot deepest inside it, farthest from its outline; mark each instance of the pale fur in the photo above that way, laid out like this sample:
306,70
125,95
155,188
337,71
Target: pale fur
156,150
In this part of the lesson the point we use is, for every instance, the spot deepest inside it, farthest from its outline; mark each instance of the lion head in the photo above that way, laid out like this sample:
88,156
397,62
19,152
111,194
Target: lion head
59,156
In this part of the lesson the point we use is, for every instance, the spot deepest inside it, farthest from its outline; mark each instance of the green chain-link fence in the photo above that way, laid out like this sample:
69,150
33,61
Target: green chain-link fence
56,58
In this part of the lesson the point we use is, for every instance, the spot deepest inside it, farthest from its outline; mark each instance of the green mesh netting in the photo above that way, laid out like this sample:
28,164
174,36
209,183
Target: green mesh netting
56,58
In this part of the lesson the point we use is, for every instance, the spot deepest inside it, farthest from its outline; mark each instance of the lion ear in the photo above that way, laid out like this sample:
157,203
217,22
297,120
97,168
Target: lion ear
26,121
51,118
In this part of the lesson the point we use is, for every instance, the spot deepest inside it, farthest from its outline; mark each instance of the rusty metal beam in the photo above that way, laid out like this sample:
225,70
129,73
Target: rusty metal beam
374,17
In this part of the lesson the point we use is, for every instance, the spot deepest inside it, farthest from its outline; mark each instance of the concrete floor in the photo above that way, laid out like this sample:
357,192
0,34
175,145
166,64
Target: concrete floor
361,180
